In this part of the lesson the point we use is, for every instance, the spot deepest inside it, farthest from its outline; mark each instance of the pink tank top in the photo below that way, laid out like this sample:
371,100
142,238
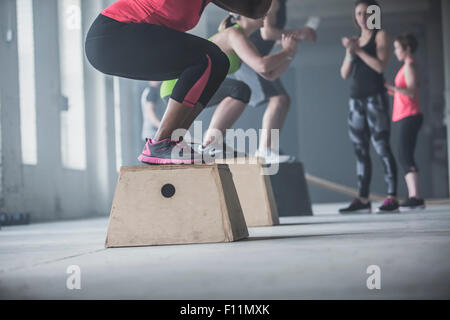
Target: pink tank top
181,15
404,106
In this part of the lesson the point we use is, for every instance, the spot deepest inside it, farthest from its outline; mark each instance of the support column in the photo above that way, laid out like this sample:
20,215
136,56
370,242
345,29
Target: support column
131,125
446,43
11,153
43,195
100,147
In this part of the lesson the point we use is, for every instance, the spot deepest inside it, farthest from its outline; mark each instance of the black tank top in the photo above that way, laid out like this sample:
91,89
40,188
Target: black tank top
265,46
366,82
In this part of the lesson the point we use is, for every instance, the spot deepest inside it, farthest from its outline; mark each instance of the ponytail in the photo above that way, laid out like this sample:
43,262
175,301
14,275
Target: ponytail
408,40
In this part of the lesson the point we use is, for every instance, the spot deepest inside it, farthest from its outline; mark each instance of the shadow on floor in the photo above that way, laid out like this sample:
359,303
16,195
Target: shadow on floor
305,236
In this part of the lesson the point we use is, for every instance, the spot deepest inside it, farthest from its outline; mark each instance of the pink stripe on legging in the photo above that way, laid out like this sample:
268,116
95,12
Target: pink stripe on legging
196,91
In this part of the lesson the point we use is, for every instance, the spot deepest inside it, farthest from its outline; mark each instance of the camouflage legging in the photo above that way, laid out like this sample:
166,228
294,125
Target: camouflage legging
369,120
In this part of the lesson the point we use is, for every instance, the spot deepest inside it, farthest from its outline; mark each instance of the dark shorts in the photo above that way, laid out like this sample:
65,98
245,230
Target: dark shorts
262,89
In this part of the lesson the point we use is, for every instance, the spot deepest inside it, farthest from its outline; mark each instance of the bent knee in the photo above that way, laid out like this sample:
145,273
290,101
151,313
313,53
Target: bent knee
219,60
242,92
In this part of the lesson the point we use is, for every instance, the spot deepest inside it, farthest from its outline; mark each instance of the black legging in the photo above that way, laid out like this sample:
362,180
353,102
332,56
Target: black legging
409,129
369,120
150,52
232,88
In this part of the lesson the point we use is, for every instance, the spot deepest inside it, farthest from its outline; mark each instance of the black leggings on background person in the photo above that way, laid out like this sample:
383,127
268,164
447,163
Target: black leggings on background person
369,121
409,130
144,51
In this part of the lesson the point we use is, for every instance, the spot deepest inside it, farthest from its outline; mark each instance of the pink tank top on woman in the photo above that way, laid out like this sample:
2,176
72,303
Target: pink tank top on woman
404,106
181,15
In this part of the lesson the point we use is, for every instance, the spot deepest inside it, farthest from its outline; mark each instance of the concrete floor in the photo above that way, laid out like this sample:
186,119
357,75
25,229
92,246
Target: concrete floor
321,257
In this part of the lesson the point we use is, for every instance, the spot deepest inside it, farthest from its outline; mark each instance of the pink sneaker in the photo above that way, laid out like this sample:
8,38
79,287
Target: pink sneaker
168,152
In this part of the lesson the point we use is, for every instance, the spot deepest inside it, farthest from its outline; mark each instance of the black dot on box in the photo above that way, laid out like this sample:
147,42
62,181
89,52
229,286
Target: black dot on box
168,191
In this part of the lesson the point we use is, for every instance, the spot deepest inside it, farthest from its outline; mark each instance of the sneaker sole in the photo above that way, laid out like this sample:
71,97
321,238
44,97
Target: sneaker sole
153,160
363,211
409,209
387,212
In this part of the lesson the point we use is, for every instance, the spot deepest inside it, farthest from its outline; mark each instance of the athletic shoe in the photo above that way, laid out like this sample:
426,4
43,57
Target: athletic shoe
412,204
269,156
219,151
357,206
167,152
389,206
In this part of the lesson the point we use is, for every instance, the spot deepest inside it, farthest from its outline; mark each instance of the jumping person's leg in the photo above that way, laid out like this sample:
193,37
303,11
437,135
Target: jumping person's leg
149,52
231,100
274,118
225,115
274,93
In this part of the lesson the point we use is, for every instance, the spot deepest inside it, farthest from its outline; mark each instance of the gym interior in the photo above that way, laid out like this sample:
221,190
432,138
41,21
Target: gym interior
67,130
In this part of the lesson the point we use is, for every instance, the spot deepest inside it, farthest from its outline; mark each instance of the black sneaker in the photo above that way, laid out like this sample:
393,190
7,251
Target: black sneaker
389,206
412,204
357,206
168,152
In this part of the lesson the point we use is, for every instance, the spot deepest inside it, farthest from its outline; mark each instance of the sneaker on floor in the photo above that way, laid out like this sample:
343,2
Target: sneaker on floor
412,204
389,206
168,152
219,151
270,156
357,206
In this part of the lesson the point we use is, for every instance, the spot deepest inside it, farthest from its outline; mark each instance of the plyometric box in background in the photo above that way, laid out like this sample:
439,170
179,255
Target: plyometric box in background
255,191
291,190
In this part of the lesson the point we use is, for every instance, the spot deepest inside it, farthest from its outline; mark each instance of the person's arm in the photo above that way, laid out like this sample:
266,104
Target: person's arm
267,66
412,82
378,63
347,65
254,9
272,33
285,42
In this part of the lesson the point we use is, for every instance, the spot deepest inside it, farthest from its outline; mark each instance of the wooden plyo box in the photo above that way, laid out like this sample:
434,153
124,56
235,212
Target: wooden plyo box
254,190
162,205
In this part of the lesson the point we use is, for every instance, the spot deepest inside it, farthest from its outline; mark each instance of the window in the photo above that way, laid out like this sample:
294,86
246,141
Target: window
27,88
73,130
